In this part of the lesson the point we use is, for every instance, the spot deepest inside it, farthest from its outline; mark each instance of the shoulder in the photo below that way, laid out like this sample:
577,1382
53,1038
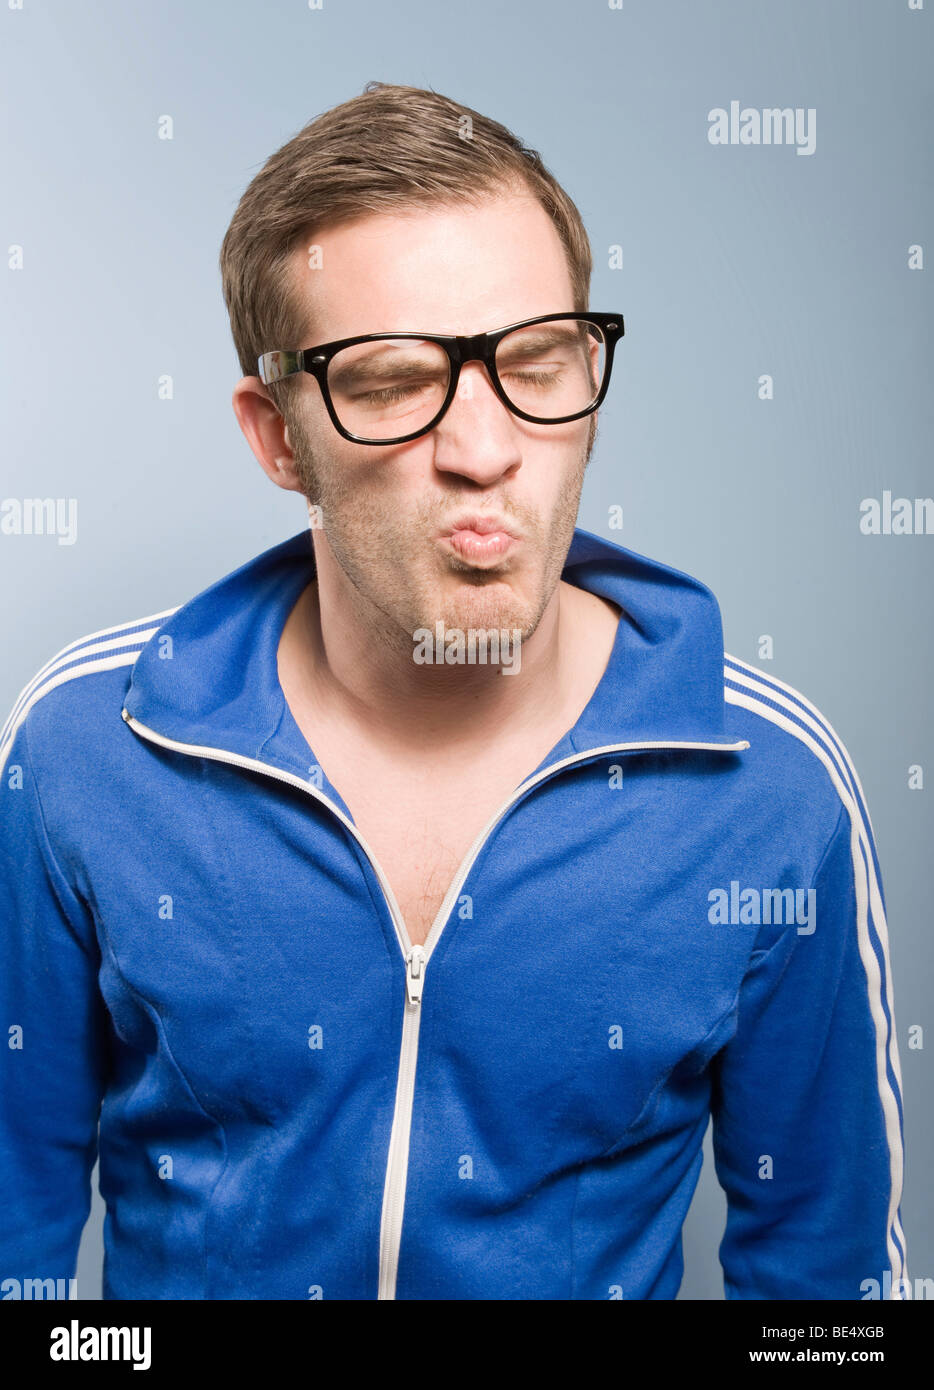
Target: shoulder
74,689
794,737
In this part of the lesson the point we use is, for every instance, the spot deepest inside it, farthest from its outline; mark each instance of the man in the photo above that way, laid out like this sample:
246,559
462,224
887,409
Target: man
407,964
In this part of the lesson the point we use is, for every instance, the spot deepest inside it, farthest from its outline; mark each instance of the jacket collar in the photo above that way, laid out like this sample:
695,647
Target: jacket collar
209,675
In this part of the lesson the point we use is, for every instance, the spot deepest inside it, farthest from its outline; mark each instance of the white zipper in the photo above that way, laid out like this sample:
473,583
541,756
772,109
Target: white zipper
397,1163
416,957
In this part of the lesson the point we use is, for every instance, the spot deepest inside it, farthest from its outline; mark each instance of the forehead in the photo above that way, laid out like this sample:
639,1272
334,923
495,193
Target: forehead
460,269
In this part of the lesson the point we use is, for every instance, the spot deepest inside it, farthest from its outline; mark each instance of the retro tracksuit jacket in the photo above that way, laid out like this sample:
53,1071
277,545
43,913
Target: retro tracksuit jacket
678,914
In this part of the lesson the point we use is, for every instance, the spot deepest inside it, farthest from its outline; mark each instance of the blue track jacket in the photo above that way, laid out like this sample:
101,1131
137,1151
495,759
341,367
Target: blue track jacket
679,914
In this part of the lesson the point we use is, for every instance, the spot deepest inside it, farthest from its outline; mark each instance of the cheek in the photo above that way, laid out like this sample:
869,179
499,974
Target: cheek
376,527
562,483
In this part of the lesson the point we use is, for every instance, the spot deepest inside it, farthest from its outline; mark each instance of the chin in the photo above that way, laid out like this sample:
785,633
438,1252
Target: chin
495,605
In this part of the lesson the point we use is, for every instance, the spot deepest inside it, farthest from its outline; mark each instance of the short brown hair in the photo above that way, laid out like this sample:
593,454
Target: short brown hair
390,147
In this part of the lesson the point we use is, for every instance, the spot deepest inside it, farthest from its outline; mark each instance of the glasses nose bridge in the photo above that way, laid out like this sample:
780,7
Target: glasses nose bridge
475,348
472,348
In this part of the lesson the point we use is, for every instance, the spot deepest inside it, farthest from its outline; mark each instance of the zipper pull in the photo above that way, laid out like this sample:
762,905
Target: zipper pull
415,974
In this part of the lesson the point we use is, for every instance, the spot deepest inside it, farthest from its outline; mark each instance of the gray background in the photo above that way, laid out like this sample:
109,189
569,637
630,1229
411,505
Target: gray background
738,261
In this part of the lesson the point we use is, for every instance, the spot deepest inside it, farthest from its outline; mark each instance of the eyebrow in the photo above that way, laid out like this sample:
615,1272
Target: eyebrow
530,344
385,358
377,366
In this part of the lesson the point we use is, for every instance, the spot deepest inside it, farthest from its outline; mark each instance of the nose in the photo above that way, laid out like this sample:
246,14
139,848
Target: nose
477,437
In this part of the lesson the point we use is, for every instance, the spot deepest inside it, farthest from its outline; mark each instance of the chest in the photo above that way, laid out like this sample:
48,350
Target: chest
576,968
421,829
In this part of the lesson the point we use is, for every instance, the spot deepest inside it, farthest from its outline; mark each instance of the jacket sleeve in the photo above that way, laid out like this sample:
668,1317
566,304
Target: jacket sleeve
53,1039
806,1100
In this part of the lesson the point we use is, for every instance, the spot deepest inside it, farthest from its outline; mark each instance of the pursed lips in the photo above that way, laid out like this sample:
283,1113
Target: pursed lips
480,537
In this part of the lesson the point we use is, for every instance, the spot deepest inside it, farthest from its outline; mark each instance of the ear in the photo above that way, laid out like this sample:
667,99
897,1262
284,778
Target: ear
266,432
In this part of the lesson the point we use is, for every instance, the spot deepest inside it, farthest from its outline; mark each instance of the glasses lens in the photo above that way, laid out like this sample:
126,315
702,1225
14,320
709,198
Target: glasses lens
389,387
552,369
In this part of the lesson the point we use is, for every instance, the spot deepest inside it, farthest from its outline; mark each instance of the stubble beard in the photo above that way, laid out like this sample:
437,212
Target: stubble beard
396,573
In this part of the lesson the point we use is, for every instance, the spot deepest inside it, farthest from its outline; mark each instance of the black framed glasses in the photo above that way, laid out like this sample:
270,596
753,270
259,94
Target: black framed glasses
388,388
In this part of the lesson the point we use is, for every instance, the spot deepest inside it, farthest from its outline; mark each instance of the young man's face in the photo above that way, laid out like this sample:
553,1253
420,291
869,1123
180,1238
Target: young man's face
388,510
